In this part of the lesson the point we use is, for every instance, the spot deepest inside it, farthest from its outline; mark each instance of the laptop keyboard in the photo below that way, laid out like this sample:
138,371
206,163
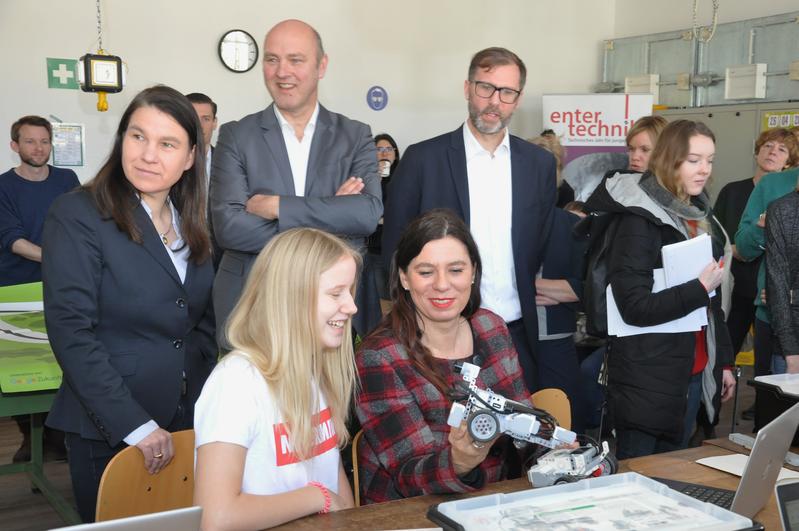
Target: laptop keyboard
721,497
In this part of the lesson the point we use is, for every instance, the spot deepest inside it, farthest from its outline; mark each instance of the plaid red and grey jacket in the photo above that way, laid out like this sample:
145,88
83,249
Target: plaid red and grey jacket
404,451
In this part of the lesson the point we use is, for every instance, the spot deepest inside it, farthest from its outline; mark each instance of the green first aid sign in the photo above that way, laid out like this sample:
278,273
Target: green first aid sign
62,73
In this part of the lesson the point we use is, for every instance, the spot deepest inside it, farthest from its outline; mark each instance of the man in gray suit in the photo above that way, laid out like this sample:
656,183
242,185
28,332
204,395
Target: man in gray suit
294,164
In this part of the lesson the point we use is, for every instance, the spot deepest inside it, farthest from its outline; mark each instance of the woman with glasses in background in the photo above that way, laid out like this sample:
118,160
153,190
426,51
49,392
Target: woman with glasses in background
388,156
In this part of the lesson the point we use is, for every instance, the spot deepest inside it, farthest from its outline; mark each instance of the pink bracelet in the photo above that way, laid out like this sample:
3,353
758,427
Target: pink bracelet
325,493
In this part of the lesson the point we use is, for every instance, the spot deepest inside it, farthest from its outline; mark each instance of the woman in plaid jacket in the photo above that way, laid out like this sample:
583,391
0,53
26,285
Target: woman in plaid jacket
406,368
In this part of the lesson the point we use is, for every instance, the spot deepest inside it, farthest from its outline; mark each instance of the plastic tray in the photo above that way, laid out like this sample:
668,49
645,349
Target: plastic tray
621,501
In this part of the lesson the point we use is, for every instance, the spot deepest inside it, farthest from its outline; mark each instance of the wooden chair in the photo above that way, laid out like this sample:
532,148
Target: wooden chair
127,489
556,403
356,483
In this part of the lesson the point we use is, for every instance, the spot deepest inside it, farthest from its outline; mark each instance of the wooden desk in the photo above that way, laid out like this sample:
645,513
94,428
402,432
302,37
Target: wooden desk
724,442
410,513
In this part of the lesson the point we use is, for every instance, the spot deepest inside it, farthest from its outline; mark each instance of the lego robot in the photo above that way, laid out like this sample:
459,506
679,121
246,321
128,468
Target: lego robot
489,415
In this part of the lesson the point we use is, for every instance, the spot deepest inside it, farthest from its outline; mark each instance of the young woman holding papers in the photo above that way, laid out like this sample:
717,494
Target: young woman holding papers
657,381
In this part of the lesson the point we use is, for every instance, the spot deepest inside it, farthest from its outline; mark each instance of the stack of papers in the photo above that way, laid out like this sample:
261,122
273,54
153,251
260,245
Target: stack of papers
682,262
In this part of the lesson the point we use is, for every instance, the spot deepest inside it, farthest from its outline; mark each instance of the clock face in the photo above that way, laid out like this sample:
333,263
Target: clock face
104,73
238,51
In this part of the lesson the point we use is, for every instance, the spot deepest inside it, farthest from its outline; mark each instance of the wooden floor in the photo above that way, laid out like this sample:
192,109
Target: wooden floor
21,509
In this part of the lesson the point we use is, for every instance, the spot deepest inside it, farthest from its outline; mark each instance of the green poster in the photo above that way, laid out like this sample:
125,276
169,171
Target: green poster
26,360
62,73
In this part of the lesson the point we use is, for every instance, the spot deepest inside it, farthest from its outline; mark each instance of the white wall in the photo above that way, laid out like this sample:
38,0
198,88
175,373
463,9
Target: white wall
640,17
418,50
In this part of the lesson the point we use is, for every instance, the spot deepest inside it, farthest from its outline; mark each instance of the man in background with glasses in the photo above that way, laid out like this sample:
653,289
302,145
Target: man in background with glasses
502,186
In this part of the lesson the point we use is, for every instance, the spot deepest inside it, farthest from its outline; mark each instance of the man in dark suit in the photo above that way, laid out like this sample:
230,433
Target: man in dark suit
294,164
206,112
503,188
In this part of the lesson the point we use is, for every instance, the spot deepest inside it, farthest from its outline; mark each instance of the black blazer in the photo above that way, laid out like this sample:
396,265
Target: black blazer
122,325
432,174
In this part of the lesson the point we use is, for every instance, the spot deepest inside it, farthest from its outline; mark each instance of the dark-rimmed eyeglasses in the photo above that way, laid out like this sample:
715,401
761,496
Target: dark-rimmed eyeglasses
385,149
486,90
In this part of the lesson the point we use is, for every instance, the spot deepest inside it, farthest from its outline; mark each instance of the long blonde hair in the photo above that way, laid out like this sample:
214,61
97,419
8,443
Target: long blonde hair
274,322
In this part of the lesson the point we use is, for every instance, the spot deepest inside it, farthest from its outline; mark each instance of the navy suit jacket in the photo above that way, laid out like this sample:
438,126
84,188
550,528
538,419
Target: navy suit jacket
432,174
122,325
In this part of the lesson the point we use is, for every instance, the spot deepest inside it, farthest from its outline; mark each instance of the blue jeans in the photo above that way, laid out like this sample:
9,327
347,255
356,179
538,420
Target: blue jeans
694,401
778,364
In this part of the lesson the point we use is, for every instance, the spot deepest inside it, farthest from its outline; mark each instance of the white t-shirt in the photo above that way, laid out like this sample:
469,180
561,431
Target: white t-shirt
235,406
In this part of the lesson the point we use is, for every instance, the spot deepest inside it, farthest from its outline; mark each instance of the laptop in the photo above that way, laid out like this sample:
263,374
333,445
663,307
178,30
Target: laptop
187,519
787,492
760,473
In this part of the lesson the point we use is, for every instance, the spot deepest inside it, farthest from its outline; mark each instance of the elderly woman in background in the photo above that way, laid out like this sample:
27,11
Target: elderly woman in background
127,293
407,369
776,150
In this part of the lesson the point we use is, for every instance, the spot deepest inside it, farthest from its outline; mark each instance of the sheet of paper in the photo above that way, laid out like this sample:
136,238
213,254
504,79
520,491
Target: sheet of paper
692,322
683,261
735,463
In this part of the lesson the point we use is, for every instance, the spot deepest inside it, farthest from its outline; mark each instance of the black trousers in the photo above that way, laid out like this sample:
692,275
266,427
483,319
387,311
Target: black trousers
88,459
527,360
765,347
742,315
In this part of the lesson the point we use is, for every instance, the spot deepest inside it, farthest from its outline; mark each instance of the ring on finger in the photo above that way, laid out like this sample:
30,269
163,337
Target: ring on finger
159,455
478,445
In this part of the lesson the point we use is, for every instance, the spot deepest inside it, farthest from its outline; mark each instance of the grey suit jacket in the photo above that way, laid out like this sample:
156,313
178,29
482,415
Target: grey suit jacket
251,158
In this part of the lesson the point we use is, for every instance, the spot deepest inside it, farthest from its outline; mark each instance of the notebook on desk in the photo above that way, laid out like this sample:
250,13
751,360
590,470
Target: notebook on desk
760,474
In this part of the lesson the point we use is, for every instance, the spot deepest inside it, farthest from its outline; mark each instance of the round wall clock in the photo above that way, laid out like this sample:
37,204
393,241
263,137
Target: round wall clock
238,51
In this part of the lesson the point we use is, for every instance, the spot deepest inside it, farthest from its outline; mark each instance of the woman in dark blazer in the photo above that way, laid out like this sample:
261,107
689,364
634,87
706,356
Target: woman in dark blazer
127,293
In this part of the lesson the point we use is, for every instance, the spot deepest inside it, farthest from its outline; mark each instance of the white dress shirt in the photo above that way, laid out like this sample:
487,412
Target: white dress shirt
298,150
208,168
490,212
